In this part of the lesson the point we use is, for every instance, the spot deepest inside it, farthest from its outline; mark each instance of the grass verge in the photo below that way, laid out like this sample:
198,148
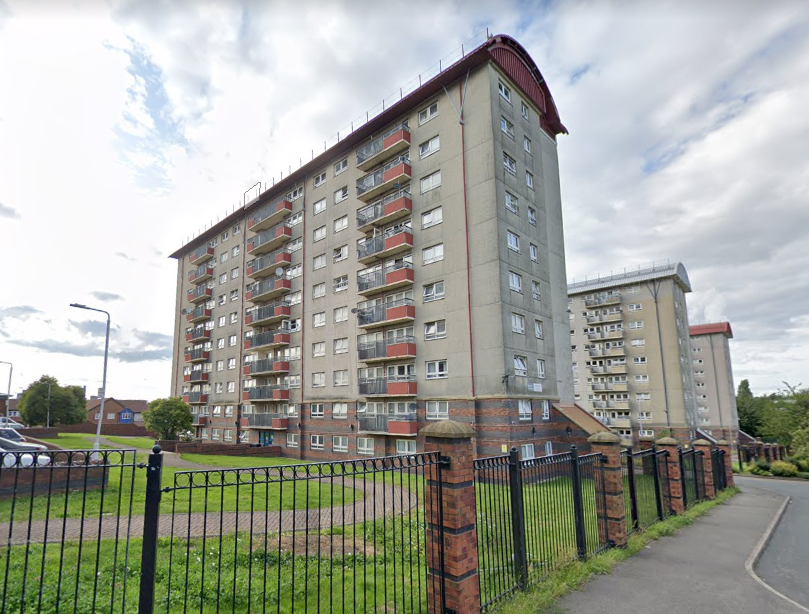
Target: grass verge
141,443
540,599
73,441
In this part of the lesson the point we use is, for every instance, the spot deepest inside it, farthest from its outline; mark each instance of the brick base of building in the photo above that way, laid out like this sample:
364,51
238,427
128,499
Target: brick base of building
114,429
219,449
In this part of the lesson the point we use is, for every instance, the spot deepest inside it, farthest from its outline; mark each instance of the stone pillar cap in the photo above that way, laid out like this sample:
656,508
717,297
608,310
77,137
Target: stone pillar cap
667,441
448,429
604,437
722,442
701,442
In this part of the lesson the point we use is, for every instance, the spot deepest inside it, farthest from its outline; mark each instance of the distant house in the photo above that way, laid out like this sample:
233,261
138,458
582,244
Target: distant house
121,417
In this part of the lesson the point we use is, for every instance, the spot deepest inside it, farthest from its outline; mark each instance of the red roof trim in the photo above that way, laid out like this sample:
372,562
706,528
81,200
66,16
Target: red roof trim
711,329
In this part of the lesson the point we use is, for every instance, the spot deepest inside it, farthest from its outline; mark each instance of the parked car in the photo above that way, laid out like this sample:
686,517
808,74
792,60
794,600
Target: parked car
12,434
9,423
15,446
15,459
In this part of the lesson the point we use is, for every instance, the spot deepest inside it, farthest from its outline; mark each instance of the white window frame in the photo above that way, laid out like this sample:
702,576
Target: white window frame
433,296
428,113
433,217
434,253
504,90
340,167
518,323
439,330
430,182
319,290
540,368
429,147
316,442
510,164
365,445
525,412
292,440
437,410
319,207
520,365
515,281
513,241
339,443
440,369
340,224
319,379
506,127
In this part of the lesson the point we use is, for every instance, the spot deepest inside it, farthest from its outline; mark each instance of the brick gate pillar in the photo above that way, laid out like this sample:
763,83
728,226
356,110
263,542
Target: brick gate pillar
701,445
609,489
454,485
724,445
674,481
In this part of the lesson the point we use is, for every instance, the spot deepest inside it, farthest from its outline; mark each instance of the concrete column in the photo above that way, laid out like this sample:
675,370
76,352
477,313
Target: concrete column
675,484
610,487
455,482
724,445
701,445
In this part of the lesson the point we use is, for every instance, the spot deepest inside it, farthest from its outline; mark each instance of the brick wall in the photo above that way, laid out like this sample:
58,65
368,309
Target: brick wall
223,450
39,432
116,430
52,479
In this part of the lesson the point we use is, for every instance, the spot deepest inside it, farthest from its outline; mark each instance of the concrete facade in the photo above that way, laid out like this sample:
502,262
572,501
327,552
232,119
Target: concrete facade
713,380
632,354
410,289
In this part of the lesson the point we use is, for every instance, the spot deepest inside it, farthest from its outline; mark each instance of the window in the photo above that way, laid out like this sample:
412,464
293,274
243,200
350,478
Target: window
223,257
523,110
236,250
520,366
234,295
234,317
527,451
507,127
517,323
223,298
220,364
340,253
546,409
296,193
526,143
429,147
316,410
295,219
535,290
320,179
228,411
532,216
365,445
231,363
215,434
433,254
318,262
319,290
341,166
430,182
643,396
435,330
436,369
525,412
433,217
646,433
638,342
294,298
294,381
636,325
511,203
234,273
635,306
341,283
295,245
427,113
319,319
509,163
642,378
340,224
292,440
341,314
405,446
437,410
513,241
540,368
319,206
223,278
341,345
316,442
318,379
231,386
232,340
639,360
529,179
341,378
339,410
339,443
505,92
220,343
433,292
534,252
644,415
340,195
515,281
319,234
538,329
221,321
218,388
319,348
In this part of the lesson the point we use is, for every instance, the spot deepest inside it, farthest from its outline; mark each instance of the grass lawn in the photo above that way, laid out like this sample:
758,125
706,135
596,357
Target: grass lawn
74,441
141,443
238,462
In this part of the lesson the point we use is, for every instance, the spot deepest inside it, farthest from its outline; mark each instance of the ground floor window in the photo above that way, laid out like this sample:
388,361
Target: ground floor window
405,446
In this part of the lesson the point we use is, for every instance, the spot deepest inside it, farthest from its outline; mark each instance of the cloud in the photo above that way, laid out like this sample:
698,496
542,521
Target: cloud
53,346
18,311
143,355
9,212
125,256
106,297
92,328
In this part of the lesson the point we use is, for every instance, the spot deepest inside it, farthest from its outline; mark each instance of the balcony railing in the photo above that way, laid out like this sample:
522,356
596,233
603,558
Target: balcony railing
267,393
195,376
198,314
388,386
200,274
195,398
198,333
201,254
391,142
198,355
611,299
393,311
266,366
268,421
383,178
267,313
397,240
267,216
380,350
383,423
268,288
391,207
267,240
271,338
268,263
200,293
385,277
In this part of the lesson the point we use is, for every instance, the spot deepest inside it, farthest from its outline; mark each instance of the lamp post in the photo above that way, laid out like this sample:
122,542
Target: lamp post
8,394
97,442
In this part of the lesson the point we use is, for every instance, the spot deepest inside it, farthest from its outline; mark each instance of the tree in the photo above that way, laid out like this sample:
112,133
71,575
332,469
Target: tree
46,402
168,417
749,408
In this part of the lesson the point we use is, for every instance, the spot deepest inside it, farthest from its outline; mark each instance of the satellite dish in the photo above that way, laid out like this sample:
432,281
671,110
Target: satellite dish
413,407
279,271
354,310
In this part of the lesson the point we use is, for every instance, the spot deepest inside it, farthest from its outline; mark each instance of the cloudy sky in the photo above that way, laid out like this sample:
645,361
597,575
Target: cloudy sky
125,126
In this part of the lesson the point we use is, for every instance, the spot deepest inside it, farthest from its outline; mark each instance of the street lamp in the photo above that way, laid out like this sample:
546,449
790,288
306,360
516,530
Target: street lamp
97,442
8,395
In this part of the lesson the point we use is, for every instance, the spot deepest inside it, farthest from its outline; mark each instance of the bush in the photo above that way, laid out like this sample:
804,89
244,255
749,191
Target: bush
762,464
783,469
756,470
802,464
803,474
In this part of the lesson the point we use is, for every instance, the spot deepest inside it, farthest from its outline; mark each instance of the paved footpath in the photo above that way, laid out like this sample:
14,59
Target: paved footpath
699,570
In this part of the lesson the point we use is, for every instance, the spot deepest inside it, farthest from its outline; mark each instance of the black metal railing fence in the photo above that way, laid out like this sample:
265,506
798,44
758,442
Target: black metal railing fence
645,481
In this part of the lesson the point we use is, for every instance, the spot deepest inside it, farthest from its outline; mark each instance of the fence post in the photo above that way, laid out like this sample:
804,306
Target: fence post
675,483
725,446
610,487
151,518
454,522
633,491
517,519
578,504
707,467
658,489
739,453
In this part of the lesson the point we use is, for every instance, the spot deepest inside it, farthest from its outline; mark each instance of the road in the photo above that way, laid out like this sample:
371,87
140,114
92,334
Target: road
784,564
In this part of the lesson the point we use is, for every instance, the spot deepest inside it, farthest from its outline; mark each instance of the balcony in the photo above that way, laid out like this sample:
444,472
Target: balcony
200,255
267,340
195,398
614,404
621,423
388,177
267,314
274,422
198,333
268,289
604,317
199,294
390,143
393,424
269,215
387,349
195,377
266,394
266,366
199,314
609,386
382,246
200,274
389,278
197,356
616,369
603,301
269,240
266,265
388,387
394,312
200,420
601,351
606,334
388,209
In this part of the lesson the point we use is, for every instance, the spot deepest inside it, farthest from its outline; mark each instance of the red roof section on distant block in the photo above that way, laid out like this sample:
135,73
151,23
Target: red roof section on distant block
711,329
